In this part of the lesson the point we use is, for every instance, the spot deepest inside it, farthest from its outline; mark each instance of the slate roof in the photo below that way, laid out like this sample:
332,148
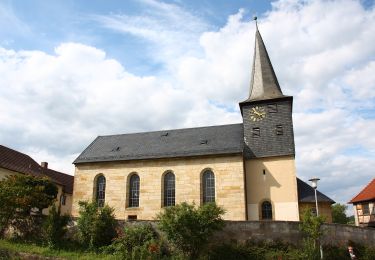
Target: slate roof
368,193
19,162
211,140
306,193
264,84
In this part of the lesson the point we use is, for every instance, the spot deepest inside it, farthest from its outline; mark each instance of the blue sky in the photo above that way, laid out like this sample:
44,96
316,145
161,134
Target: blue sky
44,24
72,70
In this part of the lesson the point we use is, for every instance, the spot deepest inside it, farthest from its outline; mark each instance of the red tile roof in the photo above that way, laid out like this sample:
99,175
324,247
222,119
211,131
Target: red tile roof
19,162
368,193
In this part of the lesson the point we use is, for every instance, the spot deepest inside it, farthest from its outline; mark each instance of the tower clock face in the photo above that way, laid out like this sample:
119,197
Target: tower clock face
257,113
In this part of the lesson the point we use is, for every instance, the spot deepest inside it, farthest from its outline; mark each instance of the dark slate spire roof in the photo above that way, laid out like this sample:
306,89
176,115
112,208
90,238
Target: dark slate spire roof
211,140
264,84
306,193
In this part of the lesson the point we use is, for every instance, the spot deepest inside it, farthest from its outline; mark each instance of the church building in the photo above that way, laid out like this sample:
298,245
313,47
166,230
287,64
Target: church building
247,168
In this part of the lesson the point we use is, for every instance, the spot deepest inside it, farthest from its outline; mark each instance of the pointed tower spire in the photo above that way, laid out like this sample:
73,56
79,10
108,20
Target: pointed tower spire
264,84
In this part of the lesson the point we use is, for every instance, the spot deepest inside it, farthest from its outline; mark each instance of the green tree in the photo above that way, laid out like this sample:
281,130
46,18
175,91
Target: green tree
96,225
311,227
55,226
189,227
338,214
22,198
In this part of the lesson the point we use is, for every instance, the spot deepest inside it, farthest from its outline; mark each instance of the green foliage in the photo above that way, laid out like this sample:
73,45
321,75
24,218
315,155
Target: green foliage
311,227
10,249
351,220
335,253
188,228
338,214
55,227
363,252
254,250
139,241
96,225
22,197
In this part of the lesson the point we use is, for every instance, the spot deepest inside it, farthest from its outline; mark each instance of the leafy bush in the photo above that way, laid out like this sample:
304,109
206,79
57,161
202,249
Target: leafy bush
338,214
188,228
253,250
311,226
22,198
363,252
335,253
96,225
55,227
139,241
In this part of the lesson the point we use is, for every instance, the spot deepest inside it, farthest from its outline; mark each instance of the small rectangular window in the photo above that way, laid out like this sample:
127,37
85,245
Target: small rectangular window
272,108
63,199
256,132
279,130
366,209
132,217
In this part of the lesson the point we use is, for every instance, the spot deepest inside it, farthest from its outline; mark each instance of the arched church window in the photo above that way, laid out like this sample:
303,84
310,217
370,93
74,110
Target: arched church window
208,185
169,189
134,191
266,210
100,190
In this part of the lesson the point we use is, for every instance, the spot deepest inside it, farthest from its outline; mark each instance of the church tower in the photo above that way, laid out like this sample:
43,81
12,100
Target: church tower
268,144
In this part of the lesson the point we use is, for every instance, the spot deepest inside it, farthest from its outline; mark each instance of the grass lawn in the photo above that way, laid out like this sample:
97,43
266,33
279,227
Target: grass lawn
10,249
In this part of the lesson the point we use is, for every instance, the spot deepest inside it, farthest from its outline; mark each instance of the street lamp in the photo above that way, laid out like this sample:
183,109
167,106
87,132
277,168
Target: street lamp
314,185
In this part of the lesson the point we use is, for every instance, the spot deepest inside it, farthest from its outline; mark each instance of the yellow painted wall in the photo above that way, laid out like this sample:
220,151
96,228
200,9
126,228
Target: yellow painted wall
65,209
325,210
229,184
278,185
5,172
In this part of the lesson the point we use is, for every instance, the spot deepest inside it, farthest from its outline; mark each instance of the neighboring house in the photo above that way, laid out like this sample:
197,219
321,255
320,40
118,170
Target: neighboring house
247,168
306,199
13,162
364,206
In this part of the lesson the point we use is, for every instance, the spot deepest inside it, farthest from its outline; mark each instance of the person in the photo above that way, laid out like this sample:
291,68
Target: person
351,252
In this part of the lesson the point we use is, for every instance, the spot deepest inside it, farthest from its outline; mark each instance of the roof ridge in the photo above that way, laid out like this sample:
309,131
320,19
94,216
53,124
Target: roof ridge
18,152
165,130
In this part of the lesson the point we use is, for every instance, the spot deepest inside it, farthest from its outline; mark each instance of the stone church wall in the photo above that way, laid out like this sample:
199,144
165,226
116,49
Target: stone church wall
229,184
272,179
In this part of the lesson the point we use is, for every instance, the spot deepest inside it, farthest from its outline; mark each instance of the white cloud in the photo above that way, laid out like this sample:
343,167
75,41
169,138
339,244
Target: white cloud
57,103
171,30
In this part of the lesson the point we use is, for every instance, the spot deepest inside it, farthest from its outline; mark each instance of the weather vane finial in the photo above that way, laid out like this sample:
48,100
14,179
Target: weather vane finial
256,21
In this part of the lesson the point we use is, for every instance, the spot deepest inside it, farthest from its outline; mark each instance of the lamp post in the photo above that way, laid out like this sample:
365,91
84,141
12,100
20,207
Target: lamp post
314,185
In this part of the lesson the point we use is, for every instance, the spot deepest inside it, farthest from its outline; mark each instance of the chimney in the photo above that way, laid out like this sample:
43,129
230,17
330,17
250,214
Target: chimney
44,164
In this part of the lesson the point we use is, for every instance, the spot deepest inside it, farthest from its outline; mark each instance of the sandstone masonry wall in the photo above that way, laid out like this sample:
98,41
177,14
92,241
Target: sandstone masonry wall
229,184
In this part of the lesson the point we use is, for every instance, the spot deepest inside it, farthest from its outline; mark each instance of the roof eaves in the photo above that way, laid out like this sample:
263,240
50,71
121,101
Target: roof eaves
356,198
88,147
157,156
